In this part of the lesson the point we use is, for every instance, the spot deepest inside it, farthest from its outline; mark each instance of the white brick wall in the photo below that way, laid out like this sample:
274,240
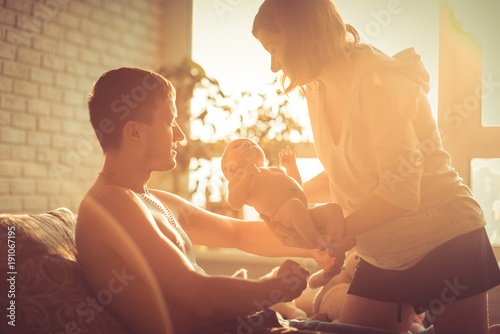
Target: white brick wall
49,59
5,84
12,136
23,153
29,56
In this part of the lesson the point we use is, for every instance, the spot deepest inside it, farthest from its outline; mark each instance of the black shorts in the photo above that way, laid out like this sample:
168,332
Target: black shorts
460,268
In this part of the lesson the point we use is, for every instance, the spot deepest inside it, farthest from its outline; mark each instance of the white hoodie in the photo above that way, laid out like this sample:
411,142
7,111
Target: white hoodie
390,146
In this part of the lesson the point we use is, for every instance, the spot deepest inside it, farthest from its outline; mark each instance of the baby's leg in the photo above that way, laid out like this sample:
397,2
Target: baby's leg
329,219
295,214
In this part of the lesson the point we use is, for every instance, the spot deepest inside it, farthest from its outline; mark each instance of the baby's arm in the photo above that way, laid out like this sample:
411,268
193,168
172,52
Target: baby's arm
329,220
287,160
240,185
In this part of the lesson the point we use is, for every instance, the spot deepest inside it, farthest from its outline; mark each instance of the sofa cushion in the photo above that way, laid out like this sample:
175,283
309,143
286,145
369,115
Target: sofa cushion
53,231
49,293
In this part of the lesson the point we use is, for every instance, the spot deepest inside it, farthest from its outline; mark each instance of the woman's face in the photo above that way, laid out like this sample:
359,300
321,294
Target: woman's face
274,43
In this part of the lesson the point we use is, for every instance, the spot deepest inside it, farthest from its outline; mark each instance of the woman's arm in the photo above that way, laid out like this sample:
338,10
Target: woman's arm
392,106
317,189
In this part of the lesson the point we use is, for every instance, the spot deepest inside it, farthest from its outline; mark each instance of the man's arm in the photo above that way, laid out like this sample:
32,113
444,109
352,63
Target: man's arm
208,298
213,230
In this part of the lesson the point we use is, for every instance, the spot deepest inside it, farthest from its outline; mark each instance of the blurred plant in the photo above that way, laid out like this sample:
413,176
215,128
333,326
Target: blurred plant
215,118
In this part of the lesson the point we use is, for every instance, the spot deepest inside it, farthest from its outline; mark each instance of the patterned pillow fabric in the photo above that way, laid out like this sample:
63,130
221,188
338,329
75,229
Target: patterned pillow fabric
48,290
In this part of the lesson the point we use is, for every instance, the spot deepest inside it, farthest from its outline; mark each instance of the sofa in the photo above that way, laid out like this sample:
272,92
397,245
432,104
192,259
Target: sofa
46,291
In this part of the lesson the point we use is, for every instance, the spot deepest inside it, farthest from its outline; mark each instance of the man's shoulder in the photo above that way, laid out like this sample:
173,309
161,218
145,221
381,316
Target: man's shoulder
103,201
176,204
168,197
106,195
105,192
106,211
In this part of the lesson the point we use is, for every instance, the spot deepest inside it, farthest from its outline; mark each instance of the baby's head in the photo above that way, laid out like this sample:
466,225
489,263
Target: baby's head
239,153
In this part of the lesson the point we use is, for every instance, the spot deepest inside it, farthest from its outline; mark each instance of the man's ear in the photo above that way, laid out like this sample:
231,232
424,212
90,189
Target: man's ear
132,131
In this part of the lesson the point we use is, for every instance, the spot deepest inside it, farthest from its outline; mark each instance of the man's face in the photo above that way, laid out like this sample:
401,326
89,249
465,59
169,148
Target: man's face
162,137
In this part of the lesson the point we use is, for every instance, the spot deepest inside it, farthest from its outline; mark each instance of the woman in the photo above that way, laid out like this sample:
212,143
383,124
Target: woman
419,231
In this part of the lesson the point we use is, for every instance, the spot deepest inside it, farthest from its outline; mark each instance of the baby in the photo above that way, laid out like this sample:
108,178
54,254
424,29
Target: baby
274,194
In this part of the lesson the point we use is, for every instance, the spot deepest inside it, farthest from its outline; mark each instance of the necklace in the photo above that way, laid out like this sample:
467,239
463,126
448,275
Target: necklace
163,208
114,179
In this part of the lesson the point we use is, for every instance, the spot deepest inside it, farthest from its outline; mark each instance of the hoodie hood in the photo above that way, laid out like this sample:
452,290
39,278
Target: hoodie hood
406,62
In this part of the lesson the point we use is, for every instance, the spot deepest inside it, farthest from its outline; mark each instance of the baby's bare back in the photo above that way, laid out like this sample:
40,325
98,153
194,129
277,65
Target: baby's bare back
271,188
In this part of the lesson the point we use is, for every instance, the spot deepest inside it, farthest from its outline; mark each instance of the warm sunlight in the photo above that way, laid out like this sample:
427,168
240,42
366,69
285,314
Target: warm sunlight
155,177
224,46
484,184
479,19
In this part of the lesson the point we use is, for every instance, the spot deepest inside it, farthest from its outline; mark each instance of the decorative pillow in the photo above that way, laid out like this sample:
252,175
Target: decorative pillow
48,291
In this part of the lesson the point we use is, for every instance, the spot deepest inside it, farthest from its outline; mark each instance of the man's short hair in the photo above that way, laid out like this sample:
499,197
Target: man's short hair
125,94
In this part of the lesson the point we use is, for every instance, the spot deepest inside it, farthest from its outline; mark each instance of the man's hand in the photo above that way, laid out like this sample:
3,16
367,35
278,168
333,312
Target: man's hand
287,158
293,278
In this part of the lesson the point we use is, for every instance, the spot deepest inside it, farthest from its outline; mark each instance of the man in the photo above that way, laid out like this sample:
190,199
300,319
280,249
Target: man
134,116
